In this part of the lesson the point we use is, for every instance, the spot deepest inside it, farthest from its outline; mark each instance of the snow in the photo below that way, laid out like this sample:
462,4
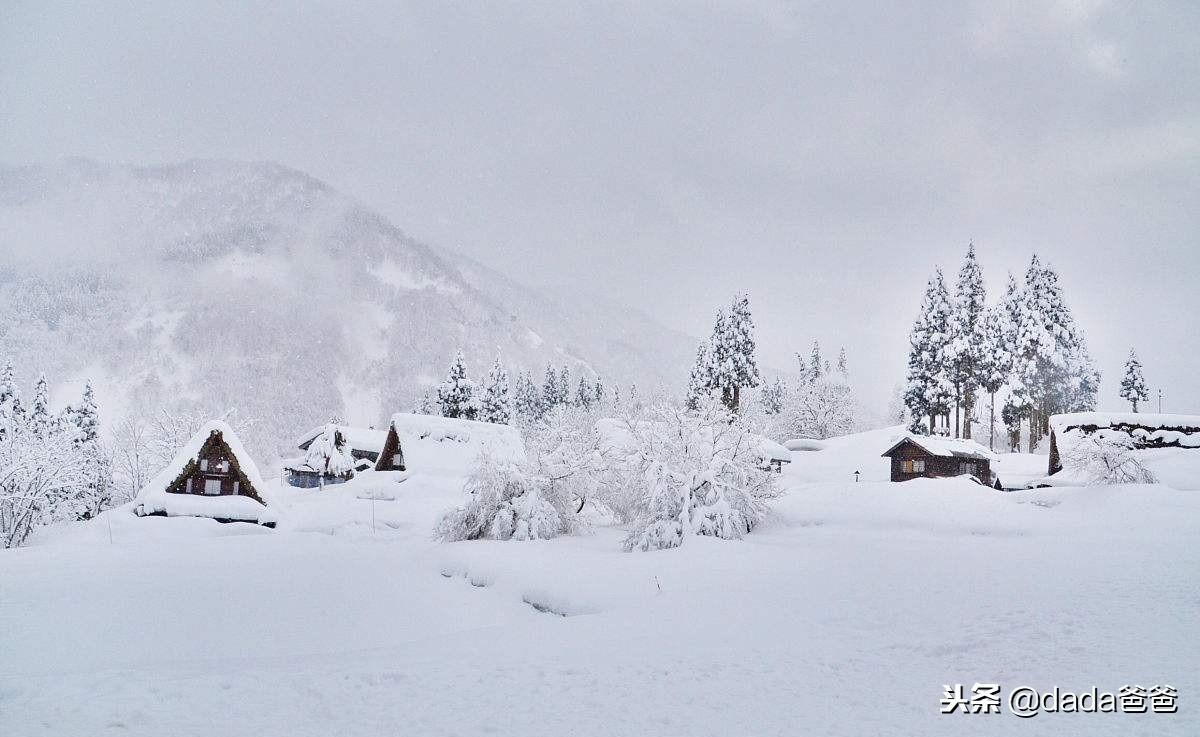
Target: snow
804,444
451,445
774,451
357,438
948,447
1108,419
153,498
843,614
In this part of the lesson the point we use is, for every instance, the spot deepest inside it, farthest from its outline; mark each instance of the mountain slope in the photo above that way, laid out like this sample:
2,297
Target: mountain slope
216,285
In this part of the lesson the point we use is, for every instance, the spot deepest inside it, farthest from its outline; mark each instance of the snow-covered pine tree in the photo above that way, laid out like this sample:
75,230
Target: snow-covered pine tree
928,392
426,405
11,416
85,418
564,386
496,404
40,421
842,367
966,341
329,455
550,390
583,394
701,381
527,399
1133,384
1052,362
599,390
995,362
456,393
732,353
815,364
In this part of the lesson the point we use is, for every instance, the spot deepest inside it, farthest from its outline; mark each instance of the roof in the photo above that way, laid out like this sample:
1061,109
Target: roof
153,497
774,451
357,438
1185,423
944,447
430,441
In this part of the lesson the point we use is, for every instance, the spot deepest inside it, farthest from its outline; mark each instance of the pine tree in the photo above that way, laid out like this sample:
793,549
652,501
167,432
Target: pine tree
527,400
599,388
564,387
995,362
426,405
701,381
1053,369
496,404
1133,385
732,353
583,394
842,367
11,414
85,419
814,363
772,397
963,354
928,392
40,421
550,390
456,393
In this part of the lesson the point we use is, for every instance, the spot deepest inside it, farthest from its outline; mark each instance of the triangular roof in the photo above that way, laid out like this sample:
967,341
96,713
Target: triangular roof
213,431
943,447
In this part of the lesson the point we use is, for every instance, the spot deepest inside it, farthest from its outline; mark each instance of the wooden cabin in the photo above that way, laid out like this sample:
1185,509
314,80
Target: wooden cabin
327,460
364,442
917,456
212,476
1143,431
391,457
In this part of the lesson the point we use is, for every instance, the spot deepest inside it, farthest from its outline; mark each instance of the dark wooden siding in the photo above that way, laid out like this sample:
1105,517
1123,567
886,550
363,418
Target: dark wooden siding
936,466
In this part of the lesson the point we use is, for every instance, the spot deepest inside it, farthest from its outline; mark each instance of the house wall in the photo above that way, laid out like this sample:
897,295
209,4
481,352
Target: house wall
214,462
935,466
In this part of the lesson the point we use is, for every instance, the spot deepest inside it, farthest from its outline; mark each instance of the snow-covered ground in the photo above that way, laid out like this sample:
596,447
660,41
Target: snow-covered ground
845,614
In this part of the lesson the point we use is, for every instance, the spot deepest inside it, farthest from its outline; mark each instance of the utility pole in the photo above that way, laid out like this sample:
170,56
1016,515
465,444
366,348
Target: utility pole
1160,401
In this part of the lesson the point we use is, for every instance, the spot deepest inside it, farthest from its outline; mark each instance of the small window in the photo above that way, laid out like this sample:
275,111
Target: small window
212,487
203,464
967,468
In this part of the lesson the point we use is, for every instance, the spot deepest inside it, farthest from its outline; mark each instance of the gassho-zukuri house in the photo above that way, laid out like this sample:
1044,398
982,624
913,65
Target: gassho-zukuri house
1135,430
927,456
211,476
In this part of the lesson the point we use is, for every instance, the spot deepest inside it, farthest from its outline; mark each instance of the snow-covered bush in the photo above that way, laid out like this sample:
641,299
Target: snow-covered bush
1104,458
692,473
41,481
506,502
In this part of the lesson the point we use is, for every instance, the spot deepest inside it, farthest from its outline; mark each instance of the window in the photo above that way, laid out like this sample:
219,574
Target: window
919,466
212,487
967,467
222,466
912,466
203,464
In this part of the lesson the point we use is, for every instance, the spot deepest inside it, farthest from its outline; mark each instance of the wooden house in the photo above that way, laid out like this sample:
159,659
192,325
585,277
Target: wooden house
917,456
1140,431
212,476
327,460
363,443
391,456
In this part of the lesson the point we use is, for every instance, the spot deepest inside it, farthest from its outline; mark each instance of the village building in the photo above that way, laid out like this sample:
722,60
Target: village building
211,476
774,455
391,455
1138,431
328,459
922,456
363,443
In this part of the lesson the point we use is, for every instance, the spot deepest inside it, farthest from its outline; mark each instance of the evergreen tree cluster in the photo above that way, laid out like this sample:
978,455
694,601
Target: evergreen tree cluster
506,400
820,405
1027,343
55,467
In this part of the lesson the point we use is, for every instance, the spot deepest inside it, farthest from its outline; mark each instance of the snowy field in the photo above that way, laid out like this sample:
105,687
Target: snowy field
844,615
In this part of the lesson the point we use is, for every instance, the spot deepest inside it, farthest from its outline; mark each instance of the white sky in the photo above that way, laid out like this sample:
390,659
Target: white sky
823,157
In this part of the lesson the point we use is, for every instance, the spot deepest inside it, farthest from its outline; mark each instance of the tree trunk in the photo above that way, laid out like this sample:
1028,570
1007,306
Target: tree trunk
968,408
737,398
932,423
992,424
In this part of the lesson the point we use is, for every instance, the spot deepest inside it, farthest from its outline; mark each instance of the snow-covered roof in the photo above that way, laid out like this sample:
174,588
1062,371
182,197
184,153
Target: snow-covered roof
944,447
357,438
154,498
1186,423
774,451
432,442
804,444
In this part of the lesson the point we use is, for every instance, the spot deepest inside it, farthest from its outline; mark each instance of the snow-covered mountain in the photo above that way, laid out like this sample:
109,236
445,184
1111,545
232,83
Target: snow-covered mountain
223,285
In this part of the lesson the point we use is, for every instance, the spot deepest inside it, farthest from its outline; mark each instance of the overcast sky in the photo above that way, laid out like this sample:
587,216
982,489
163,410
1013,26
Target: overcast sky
824,157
